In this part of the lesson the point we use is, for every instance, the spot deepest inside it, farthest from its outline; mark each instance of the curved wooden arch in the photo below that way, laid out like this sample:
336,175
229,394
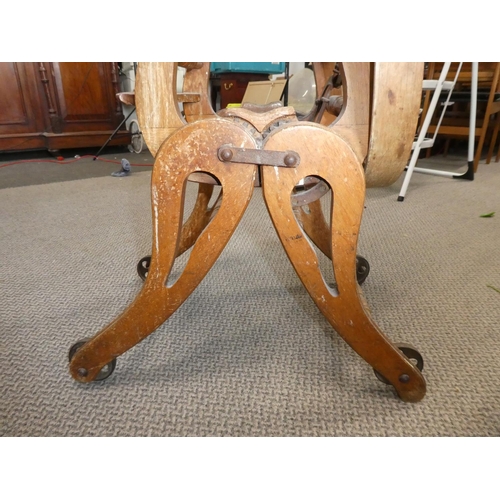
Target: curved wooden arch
395,106
380,103
378,119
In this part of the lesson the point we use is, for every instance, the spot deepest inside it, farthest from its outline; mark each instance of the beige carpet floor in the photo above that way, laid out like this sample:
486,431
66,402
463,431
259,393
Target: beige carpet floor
248,354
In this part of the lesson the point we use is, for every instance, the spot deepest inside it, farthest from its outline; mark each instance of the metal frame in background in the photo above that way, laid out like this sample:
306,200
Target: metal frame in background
422,142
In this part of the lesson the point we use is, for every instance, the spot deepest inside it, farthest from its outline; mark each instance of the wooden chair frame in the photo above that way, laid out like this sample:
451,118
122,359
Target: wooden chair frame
368,144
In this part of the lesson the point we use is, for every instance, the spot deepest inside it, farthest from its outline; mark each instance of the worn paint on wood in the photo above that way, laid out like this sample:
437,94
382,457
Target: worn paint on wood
329,157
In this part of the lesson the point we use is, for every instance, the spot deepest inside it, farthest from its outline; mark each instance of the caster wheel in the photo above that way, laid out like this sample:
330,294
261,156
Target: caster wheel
143,267
106,370
412,354
362,269
136,139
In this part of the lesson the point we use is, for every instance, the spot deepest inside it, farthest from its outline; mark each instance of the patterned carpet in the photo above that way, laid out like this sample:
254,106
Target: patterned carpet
248,354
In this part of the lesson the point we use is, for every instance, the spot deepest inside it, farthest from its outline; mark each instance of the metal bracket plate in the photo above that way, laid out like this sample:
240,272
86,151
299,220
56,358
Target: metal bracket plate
288,159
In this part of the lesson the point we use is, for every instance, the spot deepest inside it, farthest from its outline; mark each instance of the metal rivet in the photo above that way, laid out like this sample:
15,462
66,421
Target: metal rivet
82,372
404,379
290,160
226,154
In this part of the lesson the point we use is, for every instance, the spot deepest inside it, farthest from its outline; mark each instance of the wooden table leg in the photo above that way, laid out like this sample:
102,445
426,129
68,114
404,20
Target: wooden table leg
190,149
326,155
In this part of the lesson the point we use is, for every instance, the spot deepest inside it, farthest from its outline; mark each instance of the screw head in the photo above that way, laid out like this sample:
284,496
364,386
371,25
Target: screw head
82,372
404,378
226,154
290,160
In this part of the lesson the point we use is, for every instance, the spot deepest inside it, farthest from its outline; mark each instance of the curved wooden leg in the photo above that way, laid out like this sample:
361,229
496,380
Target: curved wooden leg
313,222
326,155
198,220
199,217
190,149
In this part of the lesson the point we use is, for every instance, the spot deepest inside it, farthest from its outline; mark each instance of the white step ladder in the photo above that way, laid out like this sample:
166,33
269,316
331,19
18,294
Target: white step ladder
424,142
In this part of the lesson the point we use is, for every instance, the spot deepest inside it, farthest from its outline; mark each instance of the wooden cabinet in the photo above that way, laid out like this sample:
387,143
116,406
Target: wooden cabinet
59,105
232,86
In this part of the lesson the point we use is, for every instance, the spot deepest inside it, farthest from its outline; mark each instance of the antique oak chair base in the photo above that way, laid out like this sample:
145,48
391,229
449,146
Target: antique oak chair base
230,150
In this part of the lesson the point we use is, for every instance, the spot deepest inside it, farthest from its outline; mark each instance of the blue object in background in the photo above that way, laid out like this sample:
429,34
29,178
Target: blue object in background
267,68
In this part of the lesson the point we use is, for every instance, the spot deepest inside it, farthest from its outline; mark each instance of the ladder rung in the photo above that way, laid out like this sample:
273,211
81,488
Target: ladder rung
432,85
188,97
426,143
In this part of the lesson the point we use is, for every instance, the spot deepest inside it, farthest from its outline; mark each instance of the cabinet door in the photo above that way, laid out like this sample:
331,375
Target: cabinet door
84,96
21,113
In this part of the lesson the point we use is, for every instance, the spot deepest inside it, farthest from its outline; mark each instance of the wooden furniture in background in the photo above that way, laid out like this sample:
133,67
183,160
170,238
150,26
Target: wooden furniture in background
232,86
59,105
